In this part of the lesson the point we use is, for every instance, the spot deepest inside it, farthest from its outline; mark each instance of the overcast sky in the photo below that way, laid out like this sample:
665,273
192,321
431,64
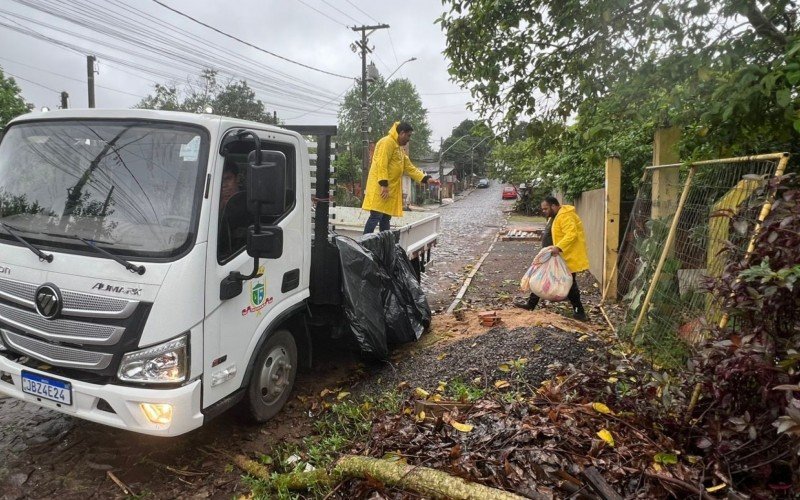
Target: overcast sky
313,32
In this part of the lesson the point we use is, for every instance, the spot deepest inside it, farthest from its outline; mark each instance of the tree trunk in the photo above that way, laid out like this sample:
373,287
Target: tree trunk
429,482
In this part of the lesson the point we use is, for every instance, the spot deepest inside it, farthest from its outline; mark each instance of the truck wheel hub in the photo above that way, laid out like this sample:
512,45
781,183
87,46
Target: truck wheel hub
275,373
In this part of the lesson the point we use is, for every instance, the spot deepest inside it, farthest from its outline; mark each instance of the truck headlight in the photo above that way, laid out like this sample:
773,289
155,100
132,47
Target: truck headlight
165,363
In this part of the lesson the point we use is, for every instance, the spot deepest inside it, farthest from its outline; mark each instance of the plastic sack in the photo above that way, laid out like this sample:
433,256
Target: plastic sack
362,281
549,277
524,283
405,308
383,301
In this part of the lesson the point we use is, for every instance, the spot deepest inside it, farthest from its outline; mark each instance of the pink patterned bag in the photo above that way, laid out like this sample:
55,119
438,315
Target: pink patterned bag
549,277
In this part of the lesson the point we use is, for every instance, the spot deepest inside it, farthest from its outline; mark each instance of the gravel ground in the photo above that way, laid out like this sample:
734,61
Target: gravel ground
480,356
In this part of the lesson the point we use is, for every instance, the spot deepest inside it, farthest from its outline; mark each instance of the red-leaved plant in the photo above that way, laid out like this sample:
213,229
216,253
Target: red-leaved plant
751,369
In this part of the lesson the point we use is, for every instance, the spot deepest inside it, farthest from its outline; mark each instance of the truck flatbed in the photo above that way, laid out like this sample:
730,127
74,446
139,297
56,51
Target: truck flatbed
416,231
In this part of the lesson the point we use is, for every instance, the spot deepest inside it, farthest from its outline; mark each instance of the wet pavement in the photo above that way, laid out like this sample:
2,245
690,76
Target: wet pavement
469,226
47,454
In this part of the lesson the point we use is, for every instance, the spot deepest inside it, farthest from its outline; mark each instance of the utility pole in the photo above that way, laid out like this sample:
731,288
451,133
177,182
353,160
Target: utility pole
64,100
362,44
90,60
441,169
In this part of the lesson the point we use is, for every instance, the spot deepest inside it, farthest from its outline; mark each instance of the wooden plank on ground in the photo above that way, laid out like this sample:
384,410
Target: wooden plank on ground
600,485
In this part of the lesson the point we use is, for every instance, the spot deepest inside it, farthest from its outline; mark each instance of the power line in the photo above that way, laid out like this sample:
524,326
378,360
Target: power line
248,43
139,34
391,42
34,83
326,2
173,49
359,9
314,111
445,93
126,62
323,14
68,77
136,32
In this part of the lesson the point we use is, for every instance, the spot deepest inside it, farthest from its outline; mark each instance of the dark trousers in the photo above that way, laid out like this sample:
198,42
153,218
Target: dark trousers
377,219
574,296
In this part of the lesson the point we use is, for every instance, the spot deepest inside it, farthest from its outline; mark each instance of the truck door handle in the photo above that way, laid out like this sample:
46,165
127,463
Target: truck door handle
291,280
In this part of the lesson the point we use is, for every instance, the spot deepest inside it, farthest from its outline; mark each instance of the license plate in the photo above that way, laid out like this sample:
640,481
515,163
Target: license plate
47,388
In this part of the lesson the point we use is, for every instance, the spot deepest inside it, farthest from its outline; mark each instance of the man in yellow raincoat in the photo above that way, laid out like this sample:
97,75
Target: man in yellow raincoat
384,193
564,232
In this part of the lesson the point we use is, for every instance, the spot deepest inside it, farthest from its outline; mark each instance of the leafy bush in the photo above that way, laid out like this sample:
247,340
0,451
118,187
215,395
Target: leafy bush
751,369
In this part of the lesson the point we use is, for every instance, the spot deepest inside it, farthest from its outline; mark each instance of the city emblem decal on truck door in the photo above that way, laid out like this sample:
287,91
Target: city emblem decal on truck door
258,294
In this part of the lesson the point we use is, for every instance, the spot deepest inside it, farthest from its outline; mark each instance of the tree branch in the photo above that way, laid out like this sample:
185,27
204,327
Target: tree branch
763,26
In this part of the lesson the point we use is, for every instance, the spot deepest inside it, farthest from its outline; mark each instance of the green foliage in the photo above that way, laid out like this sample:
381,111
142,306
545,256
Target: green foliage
658,331
11,102
468,147
234,99
727,72
347,167
464,391
396,101
341,425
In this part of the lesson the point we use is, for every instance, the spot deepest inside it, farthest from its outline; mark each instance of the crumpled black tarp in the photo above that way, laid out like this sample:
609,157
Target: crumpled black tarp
384,303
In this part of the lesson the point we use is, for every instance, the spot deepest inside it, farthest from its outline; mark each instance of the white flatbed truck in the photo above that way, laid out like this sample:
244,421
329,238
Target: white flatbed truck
136,293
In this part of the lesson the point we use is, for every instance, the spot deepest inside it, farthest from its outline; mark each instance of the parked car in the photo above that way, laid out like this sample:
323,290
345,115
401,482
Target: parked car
509,193
483,183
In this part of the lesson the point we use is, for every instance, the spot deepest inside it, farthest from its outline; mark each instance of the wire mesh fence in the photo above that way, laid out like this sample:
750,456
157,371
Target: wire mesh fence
687,222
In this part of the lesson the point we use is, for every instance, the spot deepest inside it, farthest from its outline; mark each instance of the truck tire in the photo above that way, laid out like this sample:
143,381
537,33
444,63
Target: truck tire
273,376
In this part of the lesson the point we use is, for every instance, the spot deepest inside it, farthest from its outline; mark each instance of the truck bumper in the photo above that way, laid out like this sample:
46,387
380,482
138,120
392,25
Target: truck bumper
125,411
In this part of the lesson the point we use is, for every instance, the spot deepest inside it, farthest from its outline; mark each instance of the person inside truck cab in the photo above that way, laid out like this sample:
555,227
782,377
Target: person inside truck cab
230,182
233,215
384,194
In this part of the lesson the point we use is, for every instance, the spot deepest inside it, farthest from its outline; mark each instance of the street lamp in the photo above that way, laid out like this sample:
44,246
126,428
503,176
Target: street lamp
472,153
441,170
392,74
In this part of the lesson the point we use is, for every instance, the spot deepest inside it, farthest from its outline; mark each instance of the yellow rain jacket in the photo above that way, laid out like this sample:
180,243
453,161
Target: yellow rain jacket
389,163
568,235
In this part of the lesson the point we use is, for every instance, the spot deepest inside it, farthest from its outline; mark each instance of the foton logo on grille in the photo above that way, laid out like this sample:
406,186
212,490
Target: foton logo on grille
48,301
127,290
5,270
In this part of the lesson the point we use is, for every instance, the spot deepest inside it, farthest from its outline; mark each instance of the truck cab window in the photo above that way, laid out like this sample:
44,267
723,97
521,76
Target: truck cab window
233,216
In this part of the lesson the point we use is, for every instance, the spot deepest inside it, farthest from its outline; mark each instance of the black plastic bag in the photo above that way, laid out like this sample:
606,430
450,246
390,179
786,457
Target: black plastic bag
382,295
362,281
404,271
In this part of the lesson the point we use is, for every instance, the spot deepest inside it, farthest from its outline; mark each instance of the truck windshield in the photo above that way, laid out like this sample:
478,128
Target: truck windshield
132,187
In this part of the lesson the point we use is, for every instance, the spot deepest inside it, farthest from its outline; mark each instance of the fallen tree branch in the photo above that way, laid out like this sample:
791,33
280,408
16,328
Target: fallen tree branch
431,483
124,487
691,488
251,467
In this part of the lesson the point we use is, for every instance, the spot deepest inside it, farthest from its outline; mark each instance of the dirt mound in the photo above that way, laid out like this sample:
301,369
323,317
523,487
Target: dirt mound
467,323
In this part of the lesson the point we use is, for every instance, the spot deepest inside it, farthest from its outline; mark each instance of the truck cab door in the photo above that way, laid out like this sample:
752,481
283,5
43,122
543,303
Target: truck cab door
233,326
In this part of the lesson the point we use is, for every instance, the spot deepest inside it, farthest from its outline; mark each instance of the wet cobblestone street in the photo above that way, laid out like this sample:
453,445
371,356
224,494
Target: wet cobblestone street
468,227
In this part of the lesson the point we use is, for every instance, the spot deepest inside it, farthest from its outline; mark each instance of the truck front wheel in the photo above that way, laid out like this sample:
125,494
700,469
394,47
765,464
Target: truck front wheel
273,376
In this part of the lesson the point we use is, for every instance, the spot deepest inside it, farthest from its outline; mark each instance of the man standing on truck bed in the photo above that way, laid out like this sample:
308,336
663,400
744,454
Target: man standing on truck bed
384,194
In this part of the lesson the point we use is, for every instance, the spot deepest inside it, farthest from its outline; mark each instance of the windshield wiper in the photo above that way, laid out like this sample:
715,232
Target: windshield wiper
128,265
46,257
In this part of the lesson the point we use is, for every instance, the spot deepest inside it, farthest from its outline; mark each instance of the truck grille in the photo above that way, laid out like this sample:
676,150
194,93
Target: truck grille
77,348
75,303
57,355
61,330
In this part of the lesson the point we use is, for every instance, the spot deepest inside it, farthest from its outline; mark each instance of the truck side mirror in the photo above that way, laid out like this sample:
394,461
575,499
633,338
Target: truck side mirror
268,244
266,183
